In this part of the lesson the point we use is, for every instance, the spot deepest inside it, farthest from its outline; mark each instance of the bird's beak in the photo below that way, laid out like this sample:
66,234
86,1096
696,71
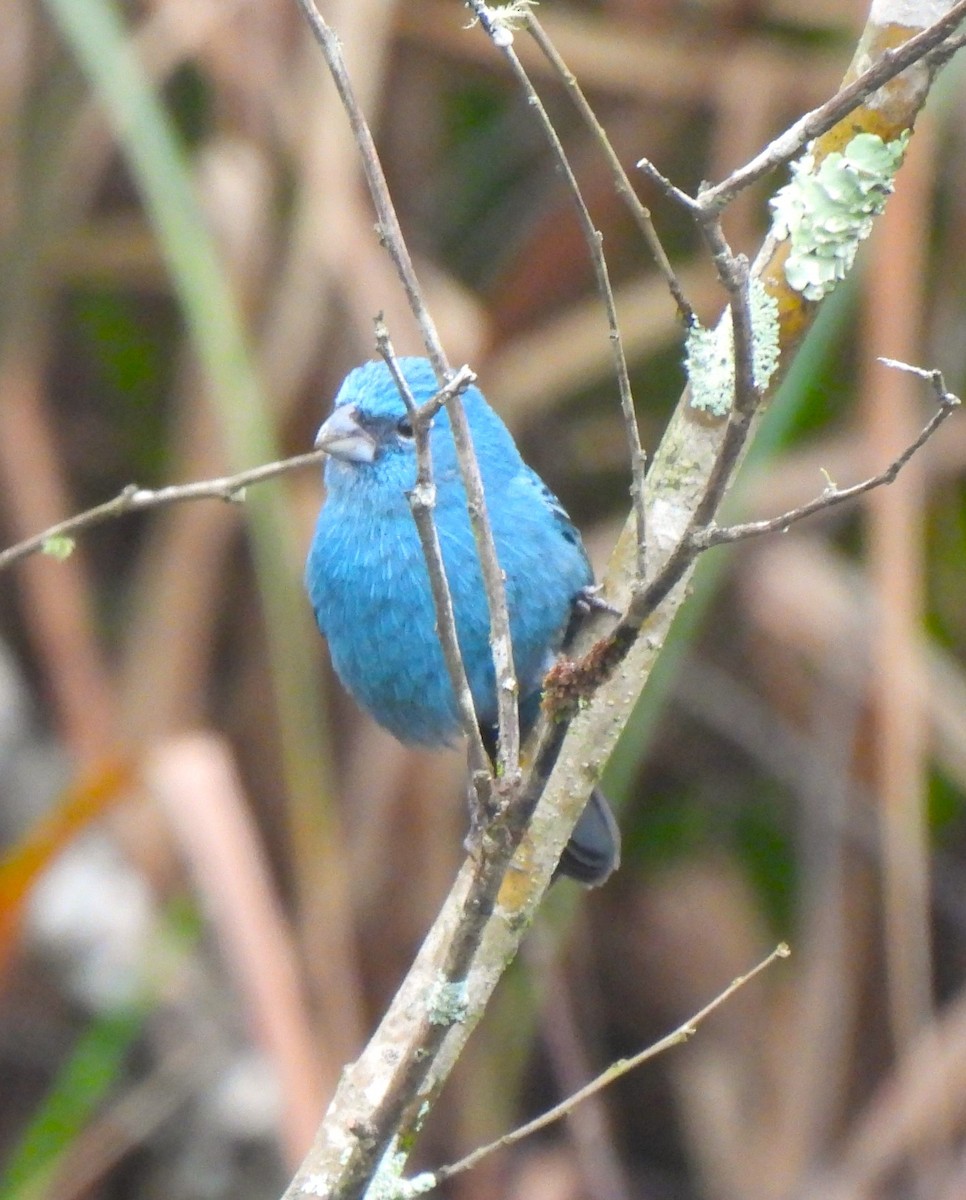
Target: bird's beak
342,436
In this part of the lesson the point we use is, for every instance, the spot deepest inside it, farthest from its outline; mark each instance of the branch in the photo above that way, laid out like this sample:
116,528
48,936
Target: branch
716,536
574,683
586,698
502,38
622,182
741,405
615,1071
58,539
892,62
389,230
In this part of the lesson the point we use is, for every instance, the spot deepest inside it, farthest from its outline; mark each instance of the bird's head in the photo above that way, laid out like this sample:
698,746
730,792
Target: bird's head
370,443
369,420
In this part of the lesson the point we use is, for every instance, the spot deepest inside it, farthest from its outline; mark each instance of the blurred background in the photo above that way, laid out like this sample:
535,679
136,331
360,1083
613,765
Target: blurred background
215,870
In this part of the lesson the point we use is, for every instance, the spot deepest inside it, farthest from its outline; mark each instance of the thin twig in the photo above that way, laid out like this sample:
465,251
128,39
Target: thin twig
671,190
945,50
389,229
583,677
705,210
392,238
733,274
422,502
504,43
614,1072
132,498
832,495
784,148
622,183
494,585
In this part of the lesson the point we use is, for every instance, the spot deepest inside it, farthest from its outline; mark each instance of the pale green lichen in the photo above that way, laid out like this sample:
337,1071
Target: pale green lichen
828,209
448,1001
710,354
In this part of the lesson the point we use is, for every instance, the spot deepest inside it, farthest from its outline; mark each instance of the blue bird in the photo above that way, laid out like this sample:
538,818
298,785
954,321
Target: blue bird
369,586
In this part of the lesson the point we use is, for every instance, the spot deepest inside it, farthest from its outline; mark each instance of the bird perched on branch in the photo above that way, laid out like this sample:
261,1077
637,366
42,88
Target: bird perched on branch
368,582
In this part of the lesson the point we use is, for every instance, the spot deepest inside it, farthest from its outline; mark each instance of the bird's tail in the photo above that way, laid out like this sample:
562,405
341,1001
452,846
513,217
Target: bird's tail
594,849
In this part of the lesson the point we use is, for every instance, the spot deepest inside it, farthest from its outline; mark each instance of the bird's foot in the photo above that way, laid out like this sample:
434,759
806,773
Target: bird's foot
589,600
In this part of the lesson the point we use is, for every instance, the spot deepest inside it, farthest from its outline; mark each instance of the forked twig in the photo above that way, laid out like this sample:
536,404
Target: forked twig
389,229
714,535
734,275
699,536
622,183
503,40
618,1069
813,124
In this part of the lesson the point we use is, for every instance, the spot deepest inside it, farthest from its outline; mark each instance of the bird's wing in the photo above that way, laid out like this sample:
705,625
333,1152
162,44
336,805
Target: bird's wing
568,529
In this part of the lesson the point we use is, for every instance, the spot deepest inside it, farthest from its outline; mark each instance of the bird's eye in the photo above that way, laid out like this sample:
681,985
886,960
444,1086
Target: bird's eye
404,427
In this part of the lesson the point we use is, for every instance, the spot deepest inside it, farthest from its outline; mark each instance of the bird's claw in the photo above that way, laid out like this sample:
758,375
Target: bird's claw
589,600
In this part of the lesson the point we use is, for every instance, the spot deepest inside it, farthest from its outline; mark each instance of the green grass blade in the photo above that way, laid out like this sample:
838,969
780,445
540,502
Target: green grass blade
96,34
85,1079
